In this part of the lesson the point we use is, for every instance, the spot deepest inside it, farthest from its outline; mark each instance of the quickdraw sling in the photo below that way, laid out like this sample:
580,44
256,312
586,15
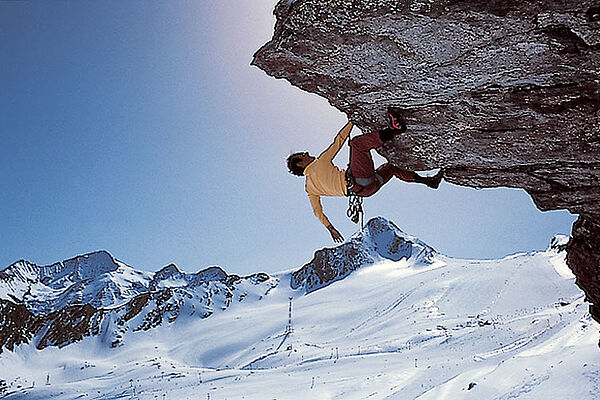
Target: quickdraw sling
355,210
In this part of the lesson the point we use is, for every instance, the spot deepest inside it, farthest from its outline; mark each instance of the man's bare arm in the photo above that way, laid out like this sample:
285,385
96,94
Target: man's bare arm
335,235
338,142
315,202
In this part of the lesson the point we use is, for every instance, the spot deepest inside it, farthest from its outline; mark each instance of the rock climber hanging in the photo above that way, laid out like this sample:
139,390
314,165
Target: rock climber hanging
361,179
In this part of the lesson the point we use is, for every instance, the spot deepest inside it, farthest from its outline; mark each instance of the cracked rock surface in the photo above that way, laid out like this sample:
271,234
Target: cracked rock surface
499,93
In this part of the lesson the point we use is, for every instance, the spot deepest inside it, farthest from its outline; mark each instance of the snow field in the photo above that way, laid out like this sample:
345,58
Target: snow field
515,328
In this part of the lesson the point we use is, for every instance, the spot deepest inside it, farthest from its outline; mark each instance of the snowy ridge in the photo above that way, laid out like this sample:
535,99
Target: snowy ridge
94,294
81,268
16,280
380,240
95,278
411,324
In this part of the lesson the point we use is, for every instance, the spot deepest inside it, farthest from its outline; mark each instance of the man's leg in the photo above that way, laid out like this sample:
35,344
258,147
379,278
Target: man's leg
387,170
361,162
411,176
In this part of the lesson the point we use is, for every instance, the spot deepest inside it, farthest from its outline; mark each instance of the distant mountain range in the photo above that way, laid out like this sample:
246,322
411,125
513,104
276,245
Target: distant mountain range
382,313
95,294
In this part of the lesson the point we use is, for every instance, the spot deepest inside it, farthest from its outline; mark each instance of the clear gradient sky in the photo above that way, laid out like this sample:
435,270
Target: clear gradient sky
140,127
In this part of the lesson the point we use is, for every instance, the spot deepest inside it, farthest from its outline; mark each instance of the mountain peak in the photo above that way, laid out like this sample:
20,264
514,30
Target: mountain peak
82,267
169,275
15,279
380,239
212,273
391,242
167,271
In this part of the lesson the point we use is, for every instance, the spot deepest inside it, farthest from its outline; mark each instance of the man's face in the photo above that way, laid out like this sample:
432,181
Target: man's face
305,159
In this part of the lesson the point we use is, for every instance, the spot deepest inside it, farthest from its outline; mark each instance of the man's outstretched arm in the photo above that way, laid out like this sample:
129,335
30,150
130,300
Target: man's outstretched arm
315,202
338,142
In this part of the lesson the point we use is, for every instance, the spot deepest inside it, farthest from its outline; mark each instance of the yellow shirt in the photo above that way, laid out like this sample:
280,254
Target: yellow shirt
325,179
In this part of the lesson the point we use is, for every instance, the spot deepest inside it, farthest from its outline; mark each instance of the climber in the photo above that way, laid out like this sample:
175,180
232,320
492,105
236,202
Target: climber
361,179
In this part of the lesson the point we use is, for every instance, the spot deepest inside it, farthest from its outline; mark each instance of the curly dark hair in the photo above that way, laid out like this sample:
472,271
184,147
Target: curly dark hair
292,164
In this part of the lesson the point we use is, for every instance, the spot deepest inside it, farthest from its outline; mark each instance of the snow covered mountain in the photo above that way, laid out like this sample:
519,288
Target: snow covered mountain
96,279
95,294
381,239
382,316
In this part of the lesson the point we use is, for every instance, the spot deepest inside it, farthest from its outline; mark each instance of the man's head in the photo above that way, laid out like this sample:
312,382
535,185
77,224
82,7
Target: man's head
298,161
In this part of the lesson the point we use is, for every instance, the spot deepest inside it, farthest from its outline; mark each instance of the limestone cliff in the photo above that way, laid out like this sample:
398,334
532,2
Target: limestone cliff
500,93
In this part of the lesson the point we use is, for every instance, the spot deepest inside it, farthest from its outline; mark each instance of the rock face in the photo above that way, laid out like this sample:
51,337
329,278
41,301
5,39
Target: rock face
499,93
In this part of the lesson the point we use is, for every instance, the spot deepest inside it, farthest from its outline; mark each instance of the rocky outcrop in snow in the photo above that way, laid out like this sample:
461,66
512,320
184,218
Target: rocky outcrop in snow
499,93
380,239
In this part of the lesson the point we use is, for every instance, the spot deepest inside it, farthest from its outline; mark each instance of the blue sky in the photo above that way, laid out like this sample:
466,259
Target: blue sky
142,129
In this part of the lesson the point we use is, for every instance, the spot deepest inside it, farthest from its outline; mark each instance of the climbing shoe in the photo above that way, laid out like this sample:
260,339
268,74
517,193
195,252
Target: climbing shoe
396,120
434,181
389,133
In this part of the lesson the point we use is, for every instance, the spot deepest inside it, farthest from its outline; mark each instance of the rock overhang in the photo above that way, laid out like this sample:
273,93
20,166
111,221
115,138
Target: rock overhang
500,94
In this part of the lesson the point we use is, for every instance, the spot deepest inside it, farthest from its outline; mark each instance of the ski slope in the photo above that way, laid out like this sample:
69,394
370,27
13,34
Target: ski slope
515,328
